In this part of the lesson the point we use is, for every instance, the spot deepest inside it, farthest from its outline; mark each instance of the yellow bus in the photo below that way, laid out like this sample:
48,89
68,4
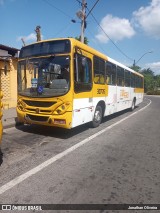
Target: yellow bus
65,83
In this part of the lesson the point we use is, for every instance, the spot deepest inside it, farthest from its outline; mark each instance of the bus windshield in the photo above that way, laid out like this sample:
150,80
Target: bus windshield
44,77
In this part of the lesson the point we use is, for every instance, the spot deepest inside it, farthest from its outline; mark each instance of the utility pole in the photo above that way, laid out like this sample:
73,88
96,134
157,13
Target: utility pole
83,22
82,15
134,63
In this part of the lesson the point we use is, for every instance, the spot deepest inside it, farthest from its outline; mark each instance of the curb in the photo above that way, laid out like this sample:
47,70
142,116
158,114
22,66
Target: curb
7,126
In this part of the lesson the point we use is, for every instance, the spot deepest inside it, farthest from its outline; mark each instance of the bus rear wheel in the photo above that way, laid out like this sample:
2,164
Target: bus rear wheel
97,117
133,104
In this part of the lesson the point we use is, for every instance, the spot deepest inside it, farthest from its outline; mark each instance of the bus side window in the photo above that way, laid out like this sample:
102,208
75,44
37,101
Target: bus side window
141,82
99,70
120,76
110,73
138,80
132,80
127,78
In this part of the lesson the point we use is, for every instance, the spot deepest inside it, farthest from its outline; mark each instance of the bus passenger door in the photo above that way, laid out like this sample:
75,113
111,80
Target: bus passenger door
82,98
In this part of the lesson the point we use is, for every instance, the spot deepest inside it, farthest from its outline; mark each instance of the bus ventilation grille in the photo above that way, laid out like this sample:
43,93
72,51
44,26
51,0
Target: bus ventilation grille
39,103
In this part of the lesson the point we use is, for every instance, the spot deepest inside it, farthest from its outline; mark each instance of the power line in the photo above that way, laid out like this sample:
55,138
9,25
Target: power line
62,30
90,12
92,8
58,9
111,39
79,1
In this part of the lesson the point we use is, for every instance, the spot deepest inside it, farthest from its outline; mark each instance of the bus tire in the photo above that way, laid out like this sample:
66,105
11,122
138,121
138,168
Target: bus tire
133,104
18,123
97,117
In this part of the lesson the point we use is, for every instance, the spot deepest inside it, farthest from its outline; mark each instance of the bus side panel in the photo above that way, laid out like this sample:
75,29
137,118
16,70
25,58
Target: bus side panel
111,101
82,111
139,94
124,99
84,104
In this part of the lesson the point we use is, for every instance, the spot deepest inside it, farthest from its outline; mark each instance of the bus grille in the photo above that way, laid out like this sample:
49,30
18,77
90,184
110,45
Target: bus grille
33,110
39,103
37,118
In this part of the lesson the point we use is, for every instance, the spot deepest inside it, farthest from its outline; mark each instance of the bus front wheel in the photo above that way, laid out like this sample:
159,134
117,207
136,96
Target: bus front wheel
97,117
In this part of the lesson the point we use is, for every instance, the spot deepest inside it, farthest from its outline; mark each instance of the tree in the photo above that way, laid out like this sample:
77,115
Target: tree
157,82
148,71
136,68
85,39
149,80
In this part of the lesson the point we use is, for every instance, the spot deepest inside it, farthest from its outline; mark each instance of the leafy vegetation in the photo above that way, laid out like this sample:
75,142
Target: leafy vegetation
85,39
79,39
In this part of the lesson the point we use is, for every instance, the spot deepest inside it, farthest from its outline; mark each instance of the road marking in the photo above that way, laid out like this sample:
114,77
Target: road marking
33,171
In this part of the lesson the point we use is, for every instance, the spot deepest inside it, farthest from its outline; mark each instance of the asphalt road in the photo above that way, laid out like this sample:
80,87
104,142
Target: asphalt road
116,163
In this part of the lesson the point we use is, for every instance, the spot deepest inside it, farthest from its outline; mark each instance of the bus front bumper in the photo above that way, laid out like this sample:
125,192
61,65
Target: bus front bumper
63,121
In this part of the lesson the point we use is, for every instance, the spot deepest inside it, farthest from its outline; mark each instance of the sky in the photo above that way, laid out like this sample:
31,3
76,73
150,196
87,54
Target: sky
124,30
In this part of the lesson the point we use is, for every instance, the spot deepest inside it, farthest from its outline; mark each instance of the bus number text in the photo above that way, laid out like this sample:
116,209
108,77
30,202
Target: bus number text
100,91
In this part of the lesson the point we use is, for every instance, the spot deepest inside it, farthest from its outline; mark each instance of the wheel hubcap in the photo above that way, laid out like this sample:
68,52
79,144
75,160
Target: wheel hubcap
97,116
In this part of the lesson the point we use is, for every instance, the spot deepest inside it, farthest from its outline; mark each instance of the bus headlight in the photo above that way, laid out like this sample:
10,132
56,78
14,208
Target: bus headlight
62,108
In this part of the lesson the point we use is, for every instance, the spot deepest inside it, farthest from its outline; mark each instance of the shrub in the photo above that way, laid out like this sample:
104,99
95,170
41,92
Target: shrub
153,92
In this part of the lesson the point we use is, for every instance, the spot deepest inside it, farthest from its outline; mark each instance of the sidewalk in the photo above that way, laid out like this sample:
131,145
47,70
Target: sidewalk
9,117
